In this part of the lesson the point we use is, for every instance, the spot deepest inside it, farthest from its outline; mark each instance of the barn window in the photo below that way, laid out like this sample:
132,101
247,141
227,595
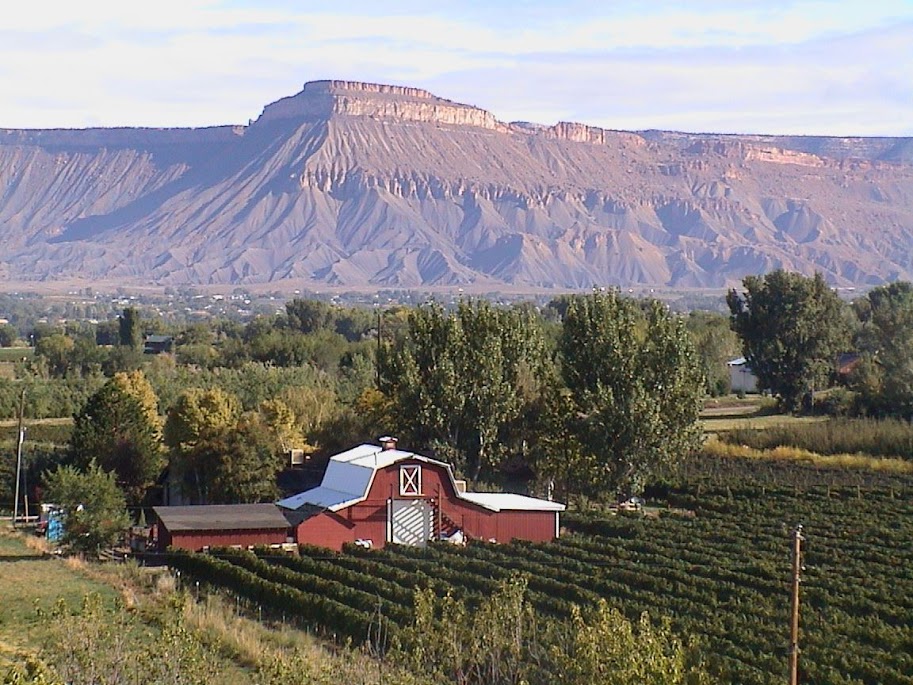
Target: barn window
410,481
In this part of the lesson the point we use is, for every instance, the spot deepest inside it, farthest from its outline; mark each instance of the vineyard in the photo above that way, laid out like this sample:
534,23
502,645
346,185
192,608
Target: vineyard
716,562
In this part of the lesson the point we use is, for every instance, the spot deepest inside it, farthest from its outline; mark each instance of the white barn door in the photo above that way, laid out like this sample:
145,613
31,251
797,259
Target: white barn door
411,522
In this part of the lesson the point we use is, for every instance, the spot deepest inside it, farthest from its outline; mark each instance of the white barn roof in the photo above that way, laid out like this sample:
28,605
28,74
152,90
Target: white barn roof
501,501
349,475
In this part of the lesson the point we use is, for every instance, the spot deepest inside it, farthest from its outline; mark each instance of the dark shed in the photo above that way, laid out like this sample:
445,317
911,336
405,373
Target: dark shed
219,525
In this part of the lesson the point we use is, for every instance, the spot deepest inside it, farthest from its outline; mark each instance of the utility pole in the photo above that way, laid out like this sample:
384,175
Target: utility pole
19,459
377,357
794,619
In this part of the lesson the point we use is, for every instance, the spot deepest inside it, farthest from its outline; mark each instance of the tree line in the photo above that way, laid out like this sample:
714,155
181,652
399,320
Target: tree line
799,337
593,395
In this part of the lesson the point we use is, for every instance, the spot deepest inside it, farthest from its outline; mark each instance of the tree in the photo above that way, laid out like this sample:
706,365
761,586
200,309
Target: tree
635,388
246,461
792,328
116,431
135,384
55,350
8,335
94,508
131,333
884,378
225,458
197,418
309,316
280,422
715,344
458,380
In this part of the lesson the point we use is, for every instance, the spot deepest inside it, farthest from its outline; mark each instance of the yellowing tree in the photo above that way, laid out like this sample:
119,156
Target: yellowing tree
198,418
135,384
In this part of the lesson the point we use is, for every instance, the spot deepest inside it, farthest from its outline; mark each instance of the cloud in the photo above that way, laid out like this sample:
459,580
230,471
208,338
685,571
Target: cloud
779,66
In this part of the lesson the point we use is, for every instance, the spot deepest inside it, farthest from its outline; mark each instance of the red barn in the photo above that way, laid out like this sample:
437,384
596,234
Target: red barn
382,494
220,525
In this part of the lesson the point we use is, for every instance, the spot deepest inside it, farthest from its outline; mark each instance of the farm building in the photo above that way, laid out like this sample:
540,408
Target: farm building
219,525
380,494
157,344
741,377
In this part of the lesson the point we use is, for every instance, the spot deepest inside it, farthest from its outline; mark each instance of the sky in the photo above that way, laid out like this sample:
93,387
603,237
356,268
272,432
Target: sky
739,66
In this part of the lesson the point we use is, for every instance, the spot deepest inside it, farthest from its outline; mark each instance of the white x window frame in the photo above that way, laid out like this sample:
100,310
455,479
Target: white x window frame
410,480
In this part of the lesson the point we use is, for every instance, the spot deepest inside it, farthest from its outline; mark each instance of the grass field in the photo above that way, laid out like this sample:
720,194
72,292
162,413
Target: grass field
15,354
34,581
753,412
142,614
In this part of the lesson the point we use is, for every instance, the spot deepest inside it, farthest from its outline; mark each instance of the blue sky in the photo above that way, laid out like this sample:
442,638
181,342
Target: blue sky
751,66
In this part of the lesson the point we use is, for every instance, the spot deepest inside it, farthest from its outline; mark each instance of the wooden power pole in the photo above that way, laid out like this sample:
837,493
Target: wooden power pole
794,616
19,459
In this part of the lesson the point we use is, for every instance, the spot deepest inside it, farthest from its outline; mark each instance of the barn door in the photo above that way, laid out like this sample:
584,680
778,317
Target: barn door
411,522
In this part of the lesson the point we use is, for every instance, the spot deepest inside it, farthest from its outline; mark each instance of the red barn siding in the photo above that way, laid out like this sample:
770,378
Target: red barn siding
535,526
368,519
326,529
196,540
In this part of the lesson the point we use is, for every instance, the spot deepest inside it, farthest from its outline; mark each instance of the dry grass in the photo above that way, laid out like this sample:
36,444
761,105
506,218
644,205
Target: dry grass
716,448
755,421
32,579
248,642
55,421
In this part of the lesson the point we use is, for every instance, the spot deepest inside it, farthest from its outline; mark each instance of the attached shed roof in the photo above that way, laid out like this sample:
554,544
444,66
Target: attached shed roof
222,517
349,475
501,501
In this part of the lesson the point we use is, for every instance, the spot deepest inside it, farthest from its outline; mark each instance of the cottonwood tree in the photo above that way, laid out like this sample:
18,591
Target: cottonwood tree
457,380
227,457
197,417
792,328
715,344
242,462
884,377
56,351
634,389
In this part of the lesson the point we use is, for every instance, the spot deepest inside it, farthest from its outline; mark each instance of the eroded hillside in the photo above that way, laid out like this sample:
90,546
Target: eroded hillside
363,185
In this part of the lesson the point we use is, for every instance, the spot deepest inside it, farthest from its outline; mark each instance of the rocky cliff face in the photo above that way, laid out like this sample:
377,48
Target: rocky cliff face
365,185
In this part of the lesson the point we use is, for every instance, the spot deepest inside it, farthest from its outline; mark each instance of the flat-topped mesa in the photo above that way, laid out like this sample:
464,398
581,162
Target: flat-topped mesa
322,99
582,133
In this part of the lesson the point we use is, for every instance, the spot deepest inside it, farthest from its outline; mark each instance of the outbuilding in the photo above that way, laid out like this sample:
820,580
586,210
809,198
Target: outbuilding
741,377
196,528
378,494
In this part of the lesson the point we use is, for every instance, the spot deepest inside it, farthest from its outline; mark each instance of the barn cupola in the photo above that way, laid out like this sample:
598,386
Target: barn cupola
387,442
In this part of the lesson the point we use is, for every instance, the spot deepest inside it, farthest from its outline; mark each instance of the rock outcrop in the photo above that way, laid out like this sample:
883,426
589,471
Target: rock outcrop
365,185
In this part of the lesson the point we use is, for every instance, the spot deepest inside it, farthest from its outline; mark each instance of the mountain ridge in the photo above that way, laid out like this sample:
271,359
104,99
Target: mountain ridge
361,185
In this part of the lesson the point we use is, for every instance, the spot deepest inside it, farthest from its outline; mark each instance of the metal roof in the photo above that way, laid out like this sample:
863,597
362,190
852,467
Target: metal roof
221,517
500,501
349,475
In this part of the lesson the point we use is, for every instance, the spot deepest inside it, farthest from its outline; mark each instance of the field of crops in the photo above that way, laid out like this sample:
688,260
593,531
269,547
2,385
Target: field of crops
719,568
